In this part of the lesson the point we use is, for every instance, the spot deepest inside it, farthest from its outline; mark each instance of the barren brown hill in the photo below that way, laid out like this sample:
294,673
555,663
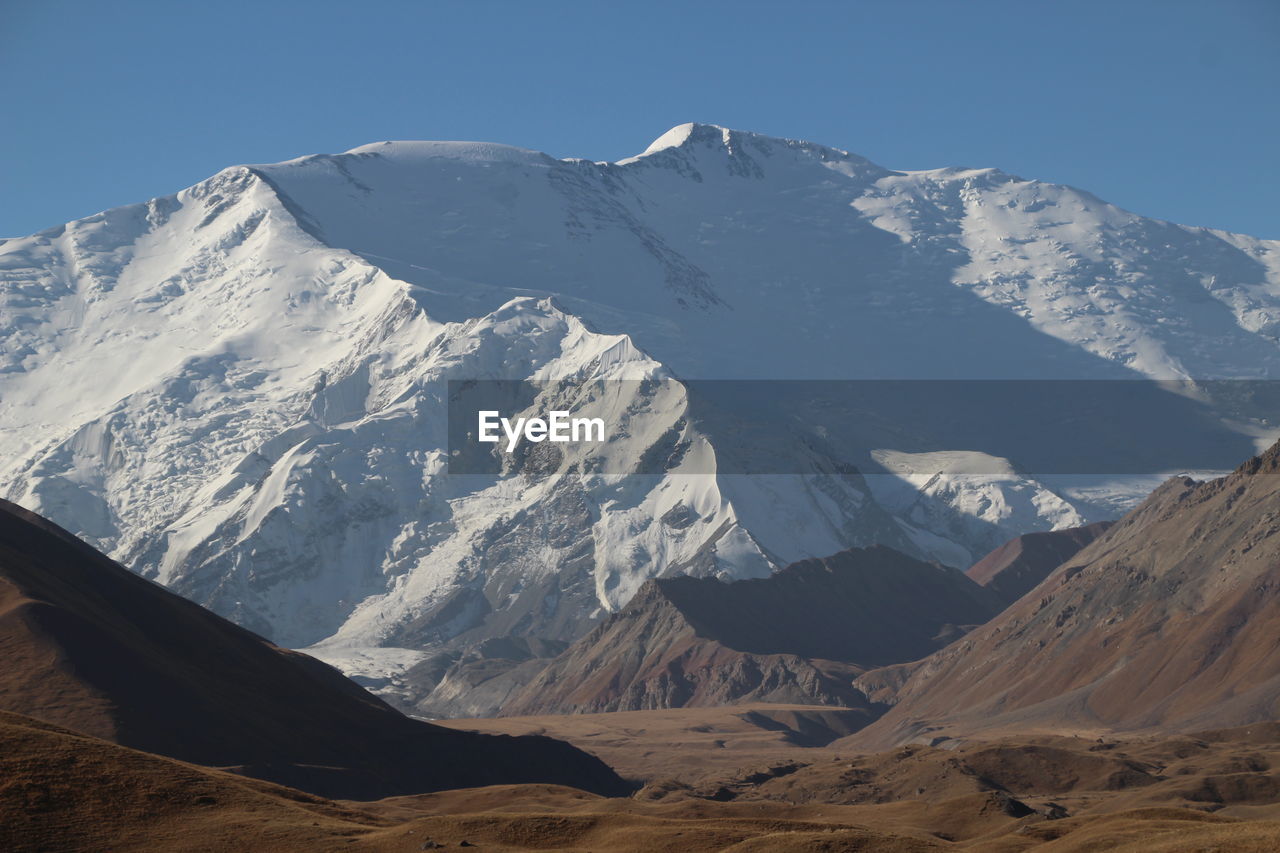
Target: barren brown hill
798,636
64,791
1171,619
88,645
1017,566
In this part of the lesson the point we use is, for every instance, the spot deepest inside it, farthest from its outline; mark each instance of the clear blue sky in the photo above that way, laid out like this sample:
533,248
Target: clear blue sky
1168,108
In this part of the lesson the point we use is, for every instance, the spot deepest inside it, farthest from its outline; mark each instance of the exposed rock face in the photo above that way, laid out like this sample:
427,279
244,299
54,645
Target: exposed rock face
91,646
1170,619
799,636
1014,569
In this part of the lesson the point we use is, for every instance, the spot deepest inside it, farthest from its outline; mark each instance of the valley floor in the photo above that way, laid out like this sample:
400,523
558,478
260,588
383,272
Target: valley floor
734,778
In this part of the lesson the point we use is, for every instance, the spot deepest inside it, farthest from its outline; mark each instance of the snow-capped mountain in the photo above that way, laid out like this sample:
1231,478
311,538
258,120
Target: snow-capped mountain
240,390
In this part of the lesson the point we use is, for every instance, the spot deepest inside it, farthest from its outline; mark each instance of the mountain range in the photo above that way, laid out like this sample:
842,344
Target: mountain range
241,390
1057,722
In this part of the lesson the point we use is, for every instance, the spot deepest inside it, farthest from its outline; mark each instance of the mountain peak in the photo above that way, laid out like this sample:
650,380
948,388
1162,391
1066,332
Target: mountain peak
743,147
689,132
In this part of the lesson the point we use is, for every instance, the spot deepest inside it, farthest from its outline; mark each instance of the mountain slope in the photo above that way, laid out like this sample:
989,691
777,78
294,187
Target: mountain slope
1170,619
799,636
1017,566
64,790
93,647
241,390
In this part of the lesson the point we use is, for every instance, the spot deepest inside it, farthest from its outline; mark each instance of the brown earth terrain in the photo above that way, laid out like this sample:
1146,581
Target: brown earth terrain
686,744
